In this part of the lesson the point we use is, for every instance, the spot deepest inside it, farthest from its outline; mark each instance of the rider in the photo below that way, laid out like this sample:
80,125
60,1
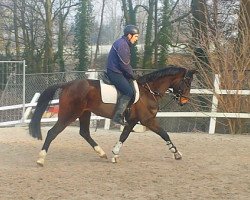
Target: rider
120,71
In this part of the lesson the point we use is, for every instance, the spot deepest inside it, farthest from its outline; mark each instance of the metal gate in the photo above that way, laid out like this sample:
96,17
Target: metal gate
12,91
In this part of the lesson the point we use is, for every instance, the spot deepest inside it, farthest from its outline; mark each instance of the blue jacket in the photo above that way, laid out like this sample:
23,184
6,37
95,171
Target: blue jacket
119,58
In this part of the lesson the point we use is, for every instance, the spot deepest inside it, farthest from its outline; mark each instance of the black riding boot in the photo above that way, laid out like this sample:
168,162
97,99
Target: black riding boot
121,106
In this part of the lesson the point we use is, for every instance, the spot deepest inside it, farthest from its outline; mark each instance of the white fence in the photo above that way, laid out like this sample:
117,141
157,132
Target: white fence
213,115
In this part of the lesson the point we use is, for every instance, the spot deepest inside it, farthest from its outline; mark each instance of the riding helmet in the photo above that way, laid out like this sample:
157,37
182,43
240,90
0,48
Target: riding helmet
131,29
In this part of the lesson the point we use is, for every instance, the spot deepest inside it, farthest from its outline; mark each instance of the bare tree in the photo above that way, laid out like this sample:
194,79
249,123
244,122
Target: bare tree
32,29
243,40
15,23
221,57
147,59
99,33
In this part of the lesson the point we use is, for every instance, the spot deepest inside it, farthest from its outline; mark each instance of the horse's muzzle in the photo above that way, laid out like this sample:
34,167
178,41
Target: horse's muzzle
183,100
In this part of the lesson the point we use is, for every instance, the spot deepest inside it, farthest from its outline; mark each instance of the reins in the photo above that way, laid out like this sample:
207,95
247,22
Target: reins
169,102
155,93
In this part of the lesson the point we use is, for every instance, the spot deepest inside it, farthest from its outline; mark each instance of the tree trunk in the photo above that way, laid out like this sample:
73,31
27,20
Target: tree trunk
130,18
60,44
147,59
125,11
199,12
200,36
165,35
200,44
156,35
28,41
48,48
82,27
132,14
16,30
99,35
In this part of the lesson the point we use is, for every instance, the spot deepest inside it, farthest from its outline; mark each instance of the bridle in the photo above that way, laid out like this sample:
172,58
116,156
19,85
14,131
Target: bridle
176,95
154,93
179,94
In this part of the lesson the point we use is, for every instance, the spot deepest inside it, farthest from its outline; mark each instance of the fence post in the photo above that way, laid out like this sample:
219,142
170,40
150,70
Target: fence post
107,124
24,88
29,109
212,123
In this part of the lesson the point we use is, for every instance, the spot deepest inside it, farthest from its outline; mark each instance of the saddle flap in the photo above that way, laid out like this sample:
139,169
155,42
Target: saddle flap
109,93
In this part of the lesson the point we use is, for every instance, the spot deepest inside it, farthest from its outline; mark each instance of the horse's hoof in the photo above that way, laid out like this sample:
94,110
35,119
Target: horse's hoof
177,156
104,156
40,162
115,159
100,152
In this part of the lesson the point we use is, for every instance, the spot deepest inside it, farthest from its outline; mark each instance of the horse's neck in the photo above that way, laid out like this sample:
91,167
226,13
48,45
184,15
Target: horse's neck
161,85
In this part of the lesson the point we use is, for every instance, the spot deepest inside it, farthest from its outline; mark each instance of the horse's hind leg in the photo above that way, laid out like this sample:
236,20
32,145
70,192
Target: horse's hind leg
51,135
85,133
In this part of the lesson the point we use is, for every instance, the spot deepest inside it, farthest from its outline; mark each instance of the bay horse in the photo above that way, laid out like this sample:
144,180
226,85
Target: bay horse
80,98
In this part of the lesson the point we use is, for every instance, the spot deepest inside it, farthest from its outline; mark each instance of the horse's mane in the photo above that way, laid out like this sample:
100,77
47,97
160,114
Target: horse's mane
169,70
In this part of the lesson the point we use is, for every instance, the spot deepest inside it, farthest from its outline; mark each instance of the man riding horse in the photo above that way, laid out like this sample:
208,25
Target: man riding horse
87,99
120,71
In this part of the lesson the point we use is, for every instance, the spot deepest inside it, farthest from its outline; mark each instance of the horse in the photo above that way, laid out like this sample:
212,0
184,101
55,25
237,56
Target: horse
79,98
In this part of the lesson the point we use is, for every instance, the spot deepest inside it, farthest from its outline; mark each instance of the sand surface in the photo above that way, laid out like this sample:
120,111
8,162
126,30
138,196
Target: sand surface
213,167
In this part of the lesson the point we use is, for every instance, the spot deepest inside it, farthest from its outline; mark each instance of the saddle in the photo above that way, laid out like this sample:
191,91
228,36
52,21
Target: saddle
110,94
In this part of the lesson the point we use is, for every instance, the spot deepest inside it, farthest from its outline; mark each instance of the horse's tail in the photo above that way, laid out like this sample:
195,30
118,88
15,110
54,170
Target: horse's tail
43,101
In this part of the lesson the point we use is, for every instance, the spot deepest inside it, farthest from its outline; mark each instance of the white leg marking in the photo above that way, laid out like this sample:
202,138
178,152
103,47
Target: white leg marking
100,151
41,158
117,148
177,155
115,159
171,147
116,151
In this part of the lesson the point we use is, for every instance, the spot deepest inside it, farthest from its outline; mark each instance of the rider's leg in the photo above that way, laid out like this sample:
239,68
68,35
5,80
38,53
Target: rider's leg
123,85
120,108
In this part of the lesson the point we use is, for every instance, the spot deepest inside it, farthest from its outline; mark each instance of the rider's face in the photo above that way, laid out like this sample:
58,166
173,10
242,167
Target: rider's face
133,38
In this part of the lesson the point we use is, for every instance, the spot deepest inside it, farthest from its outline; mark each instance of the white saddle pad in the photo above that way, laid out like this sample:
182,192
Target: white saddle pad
109,93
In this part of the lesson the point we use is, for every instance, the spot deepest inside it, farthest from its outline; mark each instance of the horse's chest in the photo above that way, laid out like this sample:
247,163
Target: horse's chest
154,109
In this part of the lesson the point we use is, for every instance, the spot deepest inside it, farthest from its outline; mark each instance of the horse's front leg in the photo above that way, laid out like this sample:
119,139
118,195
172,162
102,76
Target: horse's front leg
154,126
125,133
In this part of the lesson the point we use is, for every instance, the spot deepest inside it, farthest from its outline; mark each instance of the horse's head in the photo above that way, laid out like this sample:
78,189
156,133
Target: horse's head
181,89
